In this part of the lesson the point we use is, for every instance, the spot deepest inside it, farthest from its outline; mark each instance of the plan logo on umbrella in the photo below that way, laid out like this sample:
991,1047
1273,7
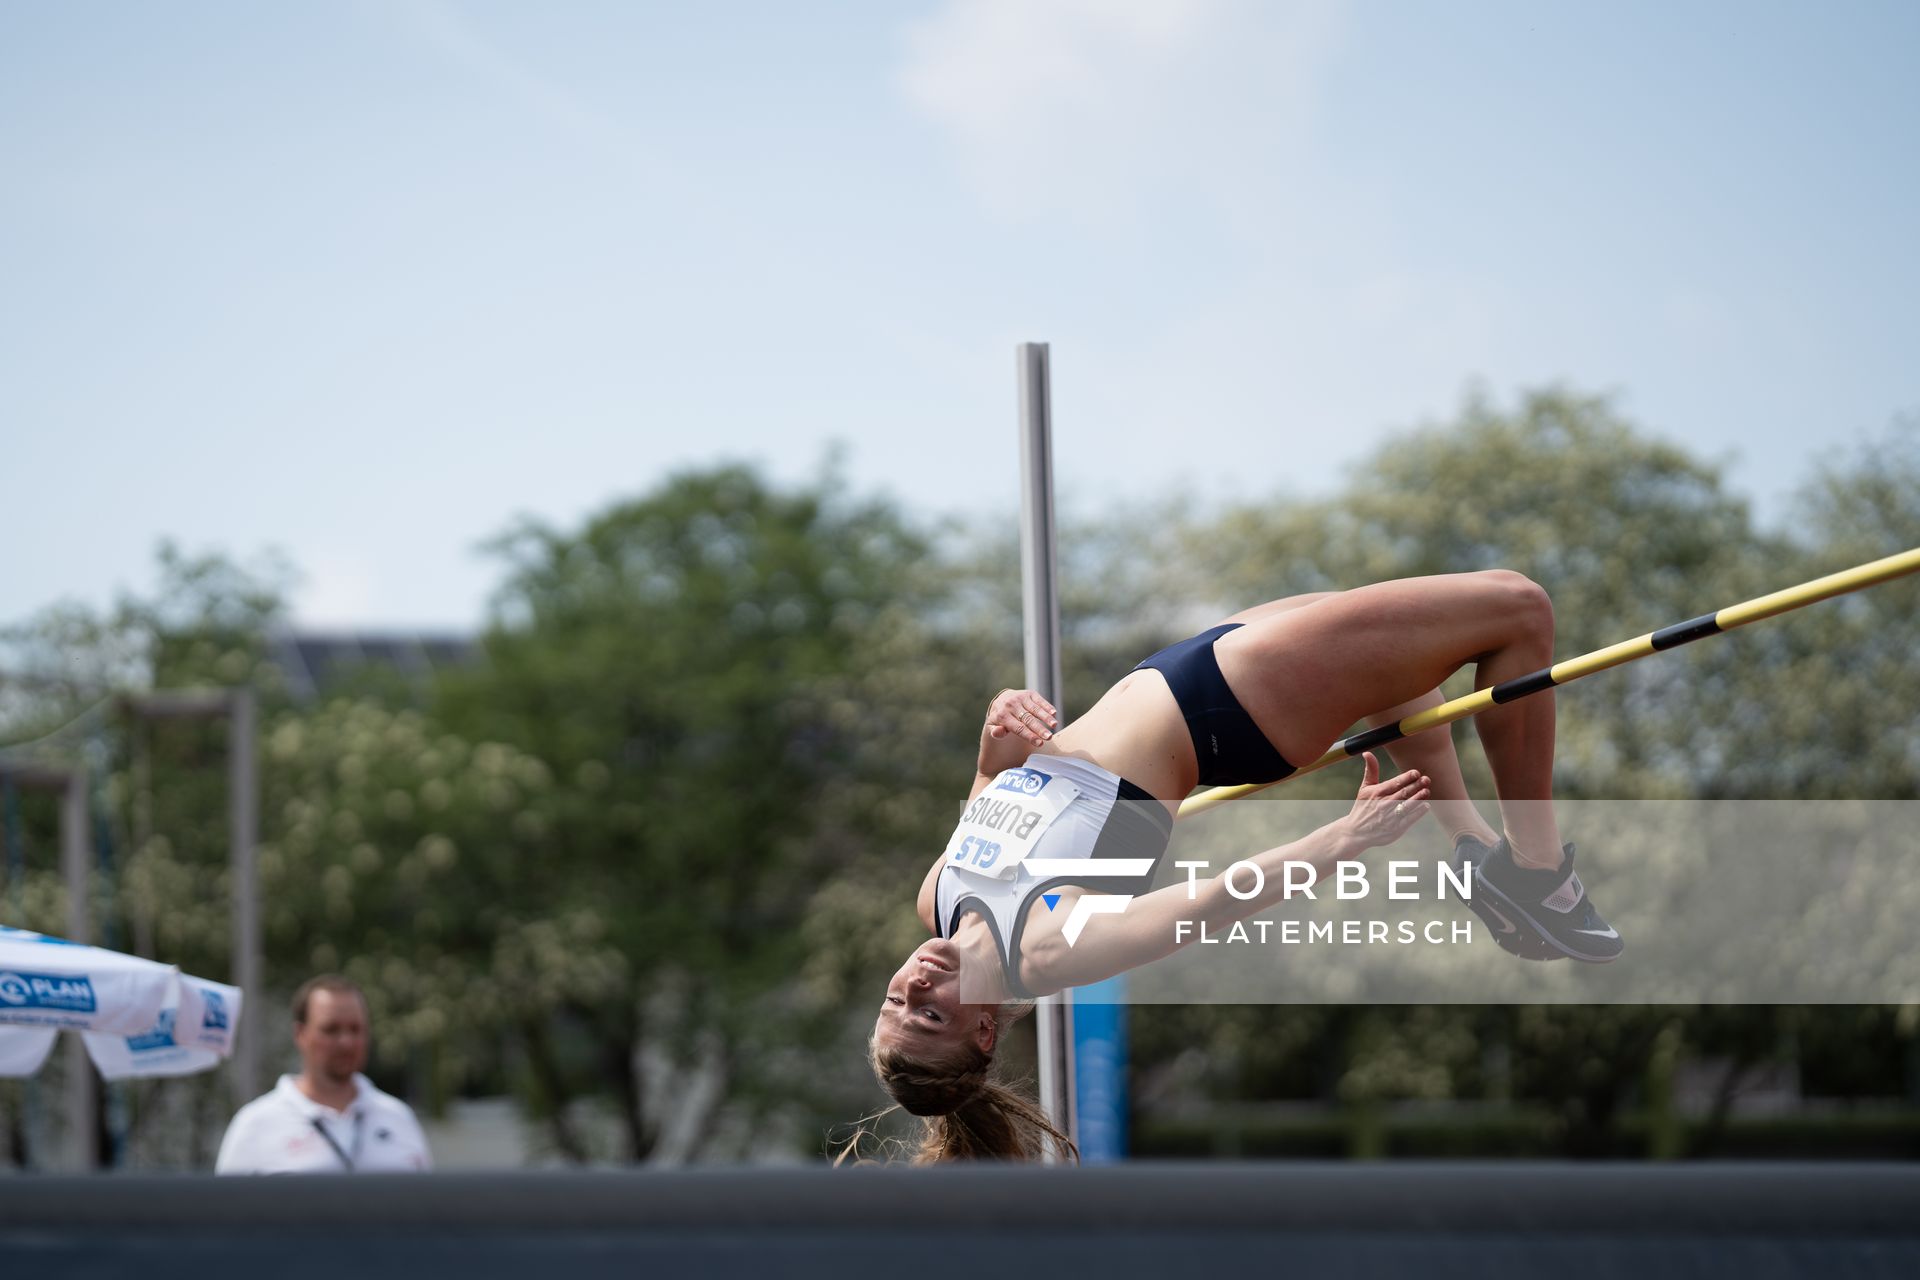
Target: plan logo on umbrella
47,991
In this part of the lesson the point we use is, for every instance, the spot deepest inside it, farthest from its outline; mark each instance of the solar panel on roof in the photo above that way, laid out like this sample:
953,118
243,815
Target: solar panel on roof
316,665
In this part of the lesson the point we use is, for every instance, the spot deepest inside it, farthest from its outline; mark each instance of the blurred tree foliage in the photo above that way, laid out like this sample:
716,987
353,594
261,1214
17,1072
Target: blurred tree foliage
158,795
1629,534
645,865
733,689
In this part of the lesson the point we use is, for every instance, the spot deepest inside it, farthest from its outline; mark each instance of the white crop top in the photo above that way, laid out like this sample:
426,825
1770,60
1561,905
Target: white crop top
1107,817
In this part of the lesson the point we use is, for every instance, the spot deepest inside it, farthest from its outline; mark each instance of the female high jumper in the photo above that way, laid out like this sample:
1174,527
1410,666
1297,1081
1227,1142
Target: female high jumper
1243,702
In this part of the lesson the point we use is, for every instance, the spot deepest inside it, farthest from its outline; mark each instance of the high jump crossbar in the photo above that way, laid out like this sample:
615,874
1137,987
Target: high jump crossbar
1707,624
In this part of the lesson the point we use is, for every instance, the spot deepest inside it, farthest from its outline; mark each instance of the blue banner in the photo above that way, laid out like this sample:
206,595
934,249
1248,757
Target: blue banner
1100,1071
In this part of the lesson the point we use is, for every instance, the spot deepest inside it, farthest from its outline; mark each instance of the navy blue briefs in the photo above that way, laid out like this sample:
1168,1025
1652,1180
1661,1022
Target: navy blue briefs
1227,743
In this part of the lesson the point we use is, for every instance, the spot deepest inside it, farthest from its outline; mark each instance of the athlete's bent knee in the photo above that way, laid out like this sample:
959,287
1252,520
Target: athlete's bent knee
1522,599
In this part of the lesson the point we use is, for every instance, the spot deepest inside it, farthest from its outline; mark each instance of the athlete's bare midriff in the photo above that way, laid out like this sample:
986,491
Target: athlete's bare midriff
1136,731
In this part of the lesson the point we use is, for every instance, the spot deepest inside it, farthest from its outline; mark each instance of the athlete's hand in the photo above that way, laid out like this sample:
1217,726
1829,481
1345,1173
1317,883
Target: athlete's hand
1024,712
1385,811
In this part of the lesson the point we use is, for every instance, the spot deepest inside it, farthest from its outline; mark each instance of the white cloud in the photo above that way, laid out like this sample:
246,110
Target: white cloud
1304,329
1087,107
336,590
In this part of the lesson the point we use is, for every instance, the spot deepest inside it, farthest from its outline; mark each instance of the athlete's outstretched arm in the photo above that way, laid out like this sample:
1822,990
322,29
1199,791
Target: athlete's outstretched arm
1144,932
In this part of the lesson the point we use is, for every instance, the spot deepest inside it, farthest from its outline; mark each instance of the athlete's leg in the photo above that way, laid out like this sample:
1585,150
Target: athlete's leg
1433,755
1285,604
1306,674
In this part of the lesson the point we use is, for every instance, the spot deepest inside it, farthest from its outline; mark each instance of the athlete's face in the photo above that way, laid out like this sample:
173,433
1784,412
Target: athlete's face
922,1007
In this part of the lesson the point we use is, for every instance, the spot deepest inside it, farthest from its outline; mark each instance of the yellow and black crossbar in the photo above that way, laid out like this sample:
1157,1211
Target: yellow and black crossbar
1707,624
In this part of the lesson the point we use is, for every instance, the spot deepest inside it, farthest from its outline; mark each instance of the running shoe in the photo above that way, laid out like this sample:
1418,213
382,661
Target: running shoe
1552,905
1513,936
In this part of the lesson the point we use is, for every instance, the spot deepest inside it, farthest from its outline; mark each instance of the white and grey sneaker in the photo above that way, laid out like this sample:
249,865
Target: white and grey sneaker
1547,909
1512,936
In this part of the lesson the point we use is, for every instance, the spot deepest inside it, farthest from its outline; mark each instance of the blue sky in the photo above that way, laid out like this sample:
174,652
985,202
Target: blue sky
365,281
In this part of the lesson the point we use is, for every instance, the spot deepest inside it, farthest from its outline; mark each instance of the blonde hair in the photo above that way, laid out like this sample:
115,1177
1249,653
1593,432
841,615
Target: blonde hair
964,1114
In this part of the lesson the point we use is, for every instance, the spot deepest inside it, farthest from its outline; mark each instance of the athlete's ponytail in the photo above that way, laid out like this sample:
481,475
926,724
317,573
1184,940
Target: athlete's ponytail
964,1114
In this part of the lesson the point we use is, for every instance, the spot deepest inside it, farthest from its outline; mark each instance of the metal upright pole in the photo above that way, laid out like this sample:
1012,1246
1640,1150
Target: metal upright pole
243,824
10,841
76,861
237,705
1040,611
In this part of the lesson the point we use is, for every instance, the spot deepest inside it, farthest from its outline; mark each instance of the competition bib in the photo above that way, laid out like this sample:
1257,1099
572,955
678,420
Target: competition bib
1004,822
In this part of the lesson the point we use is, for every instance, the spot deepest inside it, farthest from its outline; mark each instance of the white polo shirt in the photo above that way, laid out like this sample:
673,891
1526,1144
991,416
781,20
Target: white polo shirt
285,1131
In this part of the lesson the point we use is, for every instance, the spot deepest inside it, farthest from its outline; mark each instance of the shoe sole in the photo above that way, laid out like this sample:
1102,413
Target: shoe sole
1506,904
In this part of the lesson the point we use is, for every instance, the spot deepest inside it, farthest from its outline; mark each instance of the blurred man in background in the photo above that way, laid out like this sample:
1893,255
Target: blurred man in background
329,1118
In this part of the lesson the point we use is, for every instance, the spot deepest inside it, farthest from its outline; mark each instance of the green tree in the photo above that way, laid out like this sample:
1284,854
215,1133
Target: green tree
158,789
725,680
1629,534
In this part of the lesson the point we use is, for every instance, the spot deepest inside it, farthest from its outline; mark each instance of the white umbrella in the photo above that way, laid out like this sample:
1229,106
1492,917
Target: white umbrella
23,1049
138,1017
